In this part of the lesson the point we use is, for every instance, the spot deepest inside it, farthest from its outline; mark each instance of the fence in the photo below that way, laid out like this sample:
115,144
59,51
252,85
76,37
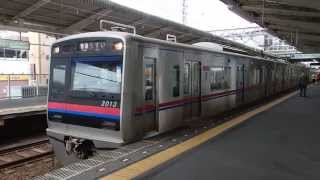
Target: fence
23,85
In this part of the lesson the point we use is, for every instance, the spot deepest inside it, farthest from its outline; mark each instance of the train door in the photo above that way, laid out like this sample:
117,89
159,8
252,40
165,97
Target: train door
150,98
240,83
268,79
196,89
192,92
187,110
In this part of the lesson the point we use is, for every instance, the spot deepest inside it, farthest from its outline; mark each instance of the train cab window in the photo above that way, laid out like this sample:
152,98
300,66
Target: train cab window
67,48
148,81
64,49
96,76
58,79
176,81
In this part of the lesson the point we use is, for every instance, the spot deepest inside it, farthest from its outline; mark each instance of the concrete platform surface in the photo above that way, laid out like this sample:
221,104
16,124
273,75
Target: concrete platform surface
22,105
280,143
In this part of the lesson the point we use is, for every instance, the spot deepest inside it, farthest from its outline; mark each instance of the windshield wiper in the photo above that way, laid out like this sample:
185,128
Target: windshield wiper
98,77
92,93
87,91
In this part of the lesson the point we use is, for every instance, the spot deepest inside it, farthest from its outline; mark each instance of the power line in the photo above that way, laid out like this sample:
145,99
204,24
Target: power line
184,11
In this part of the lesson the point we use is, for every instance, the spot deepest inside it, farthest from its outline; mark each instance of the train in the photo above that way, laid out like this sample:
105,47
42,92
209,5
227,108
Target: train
107,89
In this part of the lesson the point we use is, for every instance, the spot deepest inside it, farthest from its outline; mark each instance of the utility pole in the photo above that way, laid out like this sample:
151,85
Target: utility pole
184,11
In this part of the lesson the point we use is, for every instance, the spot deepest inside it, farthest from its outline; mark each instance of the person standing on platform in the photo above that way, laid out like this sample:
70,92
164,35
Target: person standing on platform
303,86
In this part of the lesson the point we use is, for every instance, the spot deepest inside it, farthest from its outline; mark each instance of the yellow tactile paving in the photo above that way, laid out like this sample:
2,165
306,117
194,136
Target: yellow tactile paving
115,177
129,172
155,160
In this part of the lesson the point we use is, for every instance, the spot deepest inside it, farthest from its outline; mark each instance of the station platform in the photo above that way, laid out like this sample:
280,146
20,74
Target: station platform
280,143
10,108
21,118
276,140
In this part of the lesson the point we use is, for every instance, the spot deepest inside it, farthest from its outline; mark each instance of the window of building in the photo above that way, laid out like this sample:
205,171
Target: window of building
9,53
19,55
1,52
22,54
25,54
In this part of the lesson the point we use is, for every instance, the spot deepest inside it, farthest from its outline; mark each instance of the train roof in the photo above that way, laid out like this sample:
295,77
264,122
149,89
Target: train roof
127,36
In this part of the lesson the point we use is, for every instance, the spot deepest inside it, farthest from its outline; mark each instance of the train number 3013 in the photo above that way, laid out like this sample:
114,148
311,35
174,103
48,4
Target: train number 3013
109,104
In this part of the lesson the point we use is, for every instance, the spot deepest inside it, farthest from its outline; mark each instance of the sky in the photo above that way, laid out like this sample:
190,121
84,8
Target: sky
202,14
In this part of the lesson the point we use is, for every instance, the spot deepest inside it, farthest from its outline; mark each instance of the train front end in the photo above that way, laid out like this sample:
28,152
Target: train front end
84,102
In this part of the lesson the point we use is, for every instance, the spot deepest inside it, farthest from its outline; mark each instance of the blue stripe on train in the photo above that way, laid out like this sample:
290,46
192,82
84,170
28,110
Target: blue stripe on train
103,116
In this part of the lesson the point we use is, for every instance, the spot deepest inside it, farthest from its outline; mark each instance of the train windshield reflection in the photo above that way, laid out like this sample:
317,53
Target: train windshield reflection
96,76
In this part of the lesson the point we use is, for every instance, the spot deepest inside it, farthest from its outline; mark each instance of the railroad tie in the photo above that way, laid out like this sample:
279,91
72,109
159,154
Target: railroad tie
5,158
39,150
24,154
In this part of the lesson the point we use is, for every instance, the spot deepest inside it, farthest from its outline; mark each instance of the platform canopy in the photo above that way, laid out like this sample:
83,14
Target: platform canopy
296,21
62,17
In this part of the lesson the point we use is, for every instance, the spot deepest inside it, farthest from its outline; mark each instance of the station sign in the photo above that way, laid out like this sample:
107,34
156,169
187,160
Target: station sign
14,44
20,77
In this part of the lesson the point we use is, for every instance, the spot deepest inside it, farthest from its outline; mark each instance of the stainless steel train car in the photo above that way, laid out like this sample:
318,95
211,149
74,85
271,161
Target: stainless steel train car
111,88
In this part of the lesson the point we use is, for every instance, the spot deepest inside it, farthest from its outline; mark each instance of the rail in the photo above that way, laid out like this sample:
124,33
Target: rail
23,85
21,154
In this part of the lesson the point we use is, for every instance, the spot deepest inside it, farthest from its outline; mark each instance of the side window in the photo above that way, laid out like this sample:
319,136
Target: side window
186,80
216,77
257,76
148,82
263,72
227,77
176,81
212,80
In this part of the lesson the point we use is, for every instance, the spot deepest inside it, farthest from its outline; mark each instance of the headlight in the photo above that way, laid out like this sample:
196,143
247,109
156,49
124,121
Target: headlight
56,50
117,46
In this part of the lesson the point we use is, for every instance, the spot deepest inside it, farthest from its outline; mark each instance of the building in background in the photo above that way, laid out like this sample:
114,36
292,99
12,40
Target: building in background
14,51
24,61
39,54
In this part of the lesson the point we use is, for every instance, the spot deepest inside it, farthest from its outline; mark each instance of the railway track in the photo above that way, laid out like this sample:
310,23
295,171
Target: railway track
21,154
